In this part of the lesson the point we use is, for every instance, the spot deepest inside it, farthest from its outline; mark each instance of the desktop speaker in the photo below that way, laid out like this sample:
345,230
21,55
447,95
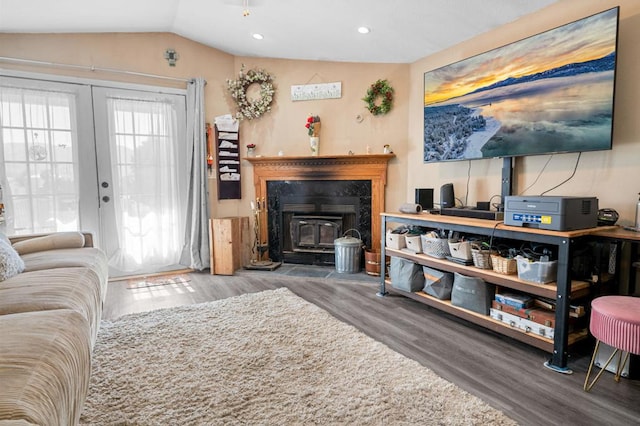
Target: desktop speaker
447,198
424,197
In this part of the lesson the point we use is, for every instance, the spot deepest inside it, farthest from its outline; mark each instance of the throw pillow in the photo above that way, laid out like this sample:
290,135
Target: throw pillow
58,240
11,263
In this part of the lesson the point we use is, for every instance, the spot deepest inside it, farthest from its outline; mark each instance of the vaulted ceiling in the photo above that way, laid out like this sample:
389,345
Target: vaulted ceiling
402,31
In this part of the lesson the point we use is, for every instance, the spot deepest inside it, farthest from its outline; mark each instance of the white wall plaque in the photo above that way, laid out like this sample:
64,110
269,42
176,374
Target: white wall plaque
307,92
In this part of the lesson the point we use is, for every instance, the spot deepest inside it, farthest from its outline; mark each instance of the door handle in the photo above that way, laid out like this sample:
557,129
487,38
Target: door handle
106,199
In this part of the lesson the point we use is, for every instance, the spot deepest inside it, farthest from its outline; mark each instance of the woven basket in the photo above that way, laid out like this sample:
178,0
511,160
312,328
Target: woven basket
481,257
504,265
460,249
435,247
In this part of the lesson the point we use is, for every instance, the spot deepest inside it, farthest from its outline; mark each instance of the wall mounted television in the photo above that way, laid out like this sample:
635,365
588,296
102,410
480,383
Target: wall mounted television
550,93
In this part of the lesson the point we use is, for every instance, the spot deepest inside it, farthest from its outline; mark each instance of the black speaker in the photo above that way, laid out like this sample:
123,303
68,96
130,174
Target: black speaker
447,197
424,197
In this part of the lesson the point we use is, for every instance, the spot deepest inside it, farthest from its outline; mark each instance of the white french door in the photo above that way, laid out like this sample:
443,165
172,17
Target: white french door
48,172
109,161
143,176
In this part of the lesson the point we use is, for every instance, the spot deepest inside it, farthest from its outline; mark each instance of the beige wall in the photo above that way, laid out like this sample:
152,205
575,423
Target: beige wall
138,52
281,129
612,176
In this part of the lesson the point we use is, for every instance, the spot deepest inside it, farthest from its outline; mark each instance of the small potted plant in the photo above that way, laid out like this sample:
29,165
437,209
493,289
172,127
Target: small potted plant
251,148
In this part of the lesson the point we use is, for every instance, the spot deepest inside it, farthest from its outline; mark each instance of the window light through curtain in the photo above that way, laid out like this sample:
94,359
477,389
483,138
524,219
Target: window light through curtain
144,158
40,176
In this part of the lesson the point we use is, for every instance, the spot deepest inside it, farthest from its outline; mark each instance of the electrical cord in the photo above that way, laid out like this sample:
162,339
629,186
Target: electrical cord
495,205
535,253
567,179
492,233
466,195
537,177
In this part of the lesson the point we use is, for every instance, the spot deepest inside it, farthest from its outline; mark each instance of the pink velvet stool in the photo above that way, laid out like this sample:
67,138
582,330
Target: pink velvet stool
615,320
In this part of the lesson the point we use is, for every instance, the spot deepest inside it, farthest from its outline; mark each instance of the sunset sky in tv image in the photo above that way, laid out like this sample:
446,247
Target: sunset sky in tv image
584,40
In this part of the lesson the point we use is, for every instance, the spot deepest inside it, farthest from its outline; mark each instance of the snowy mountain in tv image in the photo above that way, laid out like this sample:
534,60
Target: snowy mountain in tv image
606,63
513,101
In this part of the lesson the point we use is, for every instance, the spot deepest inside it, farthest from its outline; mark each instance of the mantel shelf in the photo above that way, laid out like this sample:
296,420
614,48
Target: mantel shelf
322,159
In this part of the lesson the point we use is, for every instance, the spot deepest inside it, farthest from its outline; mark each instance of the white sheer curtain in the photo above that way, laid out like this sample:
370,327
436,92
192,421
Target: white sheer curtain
144,145
38,160
195,253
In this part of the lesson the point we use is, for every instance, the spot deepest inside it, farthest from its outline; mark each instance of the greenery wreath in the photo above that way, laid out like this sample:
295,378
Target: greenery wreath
248,108
380,88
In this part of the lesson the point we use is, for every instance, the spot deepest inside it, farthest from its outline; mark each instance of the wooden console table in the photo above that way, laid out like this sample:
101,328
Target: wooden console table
562,290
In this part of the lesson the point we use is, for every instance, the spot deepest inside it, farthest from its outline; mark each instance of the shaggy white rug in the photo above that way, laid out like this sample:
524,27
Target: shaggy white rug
263,358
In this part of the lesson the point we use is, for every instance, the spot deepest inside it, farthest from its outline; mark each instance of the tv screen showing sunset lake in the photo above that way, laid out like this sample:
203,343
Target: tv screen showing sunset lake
549,93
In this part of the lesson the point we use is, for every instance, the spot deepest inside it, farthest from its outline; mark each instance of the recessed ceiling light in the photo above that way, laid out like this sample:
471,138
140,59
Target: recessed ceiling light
258,36
363,30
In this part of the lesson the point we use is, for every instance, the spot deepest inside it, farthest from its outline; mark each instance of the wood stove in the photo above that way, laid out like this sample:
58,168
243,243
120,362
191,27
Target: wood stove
314,233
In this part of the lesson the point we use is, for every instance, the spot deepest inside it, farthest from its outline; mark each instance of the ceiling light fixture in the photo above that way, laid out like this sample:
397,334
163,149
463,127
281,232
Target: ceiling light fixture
257,36
245,5
364,30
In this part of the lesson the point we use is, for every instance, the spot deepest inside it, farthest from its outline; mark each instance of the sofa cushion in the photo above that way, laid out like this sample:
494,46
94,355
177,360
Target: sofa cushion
45,364
77,289
10,262
88,257
16,423
59,240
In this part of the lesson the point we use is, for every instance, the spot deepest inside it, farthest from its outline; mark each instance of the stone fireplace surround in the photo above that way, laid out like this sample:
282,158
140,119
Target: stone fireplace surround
347,202
267,171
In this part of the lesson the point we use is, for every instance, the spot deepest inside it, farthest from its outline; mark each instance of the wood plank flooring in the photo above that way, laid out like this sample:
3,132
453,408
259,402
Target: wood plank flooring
506,374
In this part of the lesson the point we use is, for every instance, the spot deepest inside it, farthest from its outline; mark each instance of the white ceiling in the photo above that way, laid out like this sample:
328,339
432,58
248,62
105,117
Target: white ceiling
402,31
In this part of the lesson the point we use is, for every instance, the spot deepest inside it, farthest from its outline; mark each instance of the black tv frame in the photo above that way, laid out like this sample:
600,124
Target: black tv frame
532,83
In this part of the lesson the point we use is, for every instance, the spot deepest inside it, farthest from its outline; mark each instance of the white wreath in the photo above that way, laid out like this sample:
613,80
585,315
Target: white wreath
247,108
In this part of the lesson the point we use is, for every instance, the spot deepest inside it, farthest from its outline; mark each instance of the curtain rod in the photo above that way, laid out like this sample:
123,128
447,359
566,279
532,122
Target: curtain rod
90,68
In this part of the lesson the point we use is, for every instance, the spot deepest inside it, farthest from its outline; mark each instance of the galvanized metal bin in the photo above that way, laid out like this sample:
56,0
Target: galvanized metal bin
348,251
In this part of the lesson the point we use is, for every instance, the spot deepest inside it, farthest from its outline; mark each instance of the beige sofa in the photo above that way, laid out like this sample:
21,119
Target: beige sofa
49,319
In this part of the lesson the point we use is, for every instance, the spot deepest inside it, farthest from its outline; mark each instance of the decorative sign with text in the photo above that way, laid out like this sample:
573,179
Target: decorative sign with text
308,92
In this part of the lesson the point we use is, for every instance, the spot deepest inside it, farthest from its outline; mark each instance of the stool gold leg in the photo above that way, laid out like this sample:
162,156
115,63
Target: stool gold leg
587,386
621,365
593,359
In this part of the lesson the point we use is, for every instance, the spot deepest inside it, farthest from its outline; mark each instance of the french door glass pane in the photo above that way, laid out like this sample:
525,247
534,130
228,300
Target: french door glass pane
39,156
124,179
144,147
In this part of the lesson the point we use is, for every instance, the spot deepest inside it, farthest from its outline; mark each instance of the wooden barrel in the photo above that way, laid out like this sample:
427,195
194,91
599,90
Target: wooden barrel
372,262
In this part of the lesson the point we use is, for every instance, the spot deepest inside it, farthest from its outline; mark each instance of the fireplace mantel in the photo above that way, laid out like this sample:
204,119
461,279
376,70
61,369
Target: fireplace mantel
329,167
371,167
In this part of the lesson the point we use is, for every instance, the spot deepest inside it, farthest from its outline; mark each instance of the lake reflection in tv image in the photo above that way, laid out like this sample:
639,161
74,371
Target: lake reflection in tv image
549,93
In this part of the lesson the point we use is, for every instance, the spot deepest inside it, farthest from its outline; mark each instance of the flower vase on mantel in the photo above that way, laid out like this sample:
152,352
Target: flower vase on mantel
313,130
251,150
314,144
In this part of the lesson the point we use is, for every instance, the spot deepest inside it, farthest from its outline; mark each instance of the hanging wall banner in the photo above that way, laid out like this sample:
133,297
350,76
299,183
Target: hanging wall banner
307,92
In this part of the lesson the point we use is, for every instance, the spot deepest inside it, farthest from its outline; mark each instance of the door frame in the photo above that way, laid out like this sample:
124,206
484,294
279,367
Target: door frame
86,130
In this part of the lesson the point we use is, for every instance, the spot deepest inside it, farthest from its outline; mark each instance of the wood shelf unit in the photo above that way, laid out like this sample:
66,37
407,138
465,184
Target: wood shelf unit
548,290
486,321
563,290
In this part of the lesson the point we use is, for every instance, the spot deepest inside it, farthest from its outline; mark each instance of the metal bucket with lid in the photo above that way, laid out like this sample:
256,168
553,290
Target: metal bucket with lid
348,251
